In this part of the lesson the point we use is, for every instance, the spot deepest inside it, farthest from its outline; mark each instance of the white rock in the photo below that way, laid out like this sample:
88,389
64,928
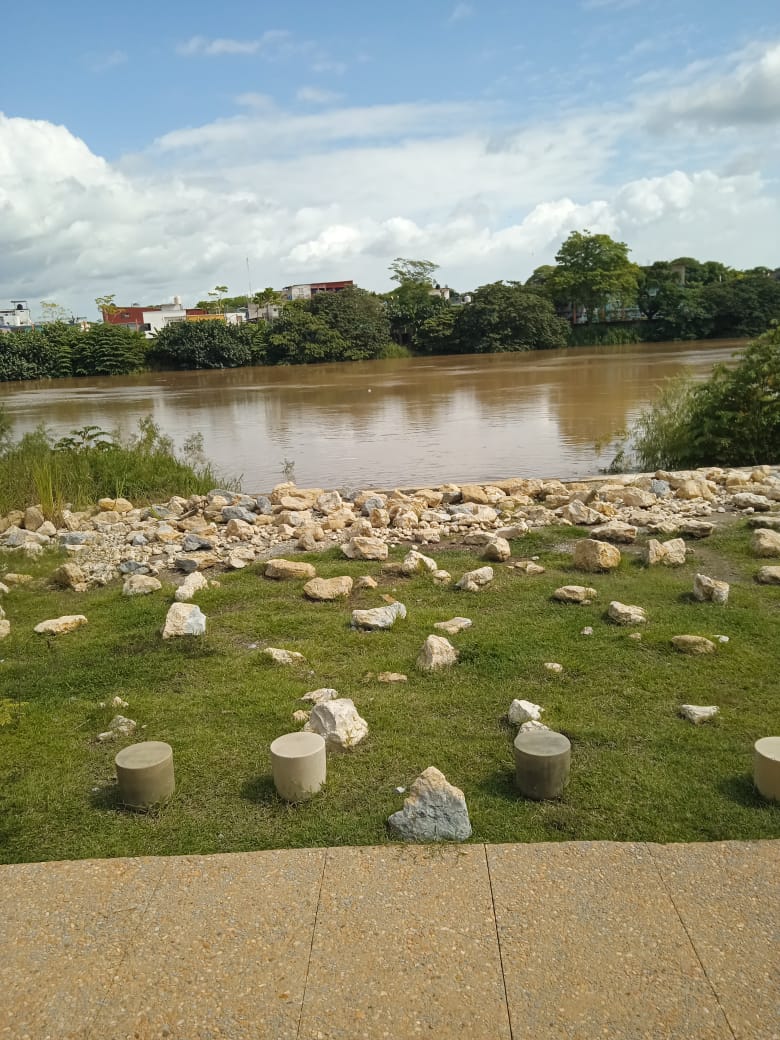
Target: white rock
497,549
615,531
378,617
338,723
57,626
117,702
454,625
523,711
285,570
575,594
391,677
280,656
442,577
766,542
593,555
705,588
325,590
301,716
587,631
123,726
698,713
669,554
5,628
626,614
433,811
192,583
184,619
140,585
473,581
365,548
531,725
553,666
325,693
416,563
437,653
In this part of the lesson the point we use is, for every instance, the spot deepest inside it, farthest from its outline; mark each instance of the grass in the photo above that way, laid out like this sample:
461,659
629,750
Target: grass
639,772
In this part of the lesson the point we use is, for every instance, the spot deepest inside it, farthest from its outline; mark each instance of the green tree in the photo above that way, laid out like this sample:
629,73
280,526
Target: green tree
408,307
106,305
436,335
51,311
420,272
743,306
650,281
539,281
218,292
108,350
207,344
359,317
506,317
299,337
592,271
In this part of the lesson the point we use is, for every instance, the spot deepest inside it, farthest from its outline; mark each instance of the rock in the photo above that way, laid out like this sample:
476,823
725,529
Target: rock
115,505
33,518
473,493
743,500
283,570
636,498
77,537
301,716
325,693
338,723
134,567
184,619
587,631
391,677
578,513
454,625
437,653
140,585
697,713
575,594
771,522
378,617
11,578
473,581
70,576
497,549
553,666
365,581
523,711
123,726
691,489
768,576
531,725
324,590
705,588
693,645
194,543
513,532
192,583
241,557
441,577
365,548
416,563
238,513
239,529
696,528
528,567
623,614
279,656
669,554
592,555
57,626
5,628
433,811
329,502
765,542
615,531
117,702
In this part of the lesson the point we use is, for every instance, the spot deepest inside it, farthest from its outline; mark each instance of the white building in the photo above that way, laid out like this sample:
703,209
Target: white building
18,317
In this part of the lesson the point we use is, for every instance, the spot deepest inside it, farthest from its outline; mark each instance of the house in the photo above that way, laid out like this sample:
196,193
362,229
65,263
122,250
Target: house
17,319
305,290
150,320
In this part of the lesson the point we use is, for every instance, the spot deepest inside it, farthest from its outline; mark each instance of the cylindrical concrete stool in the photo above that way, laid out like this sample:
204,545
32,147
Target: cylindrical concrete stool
298,765
542,761
145,774
766,767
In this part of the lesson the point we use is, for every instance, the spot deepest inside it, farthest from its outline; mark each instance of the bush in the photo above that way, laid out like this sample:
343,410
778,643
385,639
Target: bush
58,349
207,344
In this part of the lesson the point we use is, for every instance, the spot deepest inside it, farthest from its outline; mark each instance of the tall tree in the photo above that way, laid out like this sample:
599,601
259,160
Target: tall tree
106,305
594,270
420,272
218,292
505,317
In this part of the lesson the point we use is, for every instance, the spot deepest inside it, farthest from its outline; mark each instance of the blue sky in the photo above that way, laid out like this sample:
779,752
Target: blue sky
150,149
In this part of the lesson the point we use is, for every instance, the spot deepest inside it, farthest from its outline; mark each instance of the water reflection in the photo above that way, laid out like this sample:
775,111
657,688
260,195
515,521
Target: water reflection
387,422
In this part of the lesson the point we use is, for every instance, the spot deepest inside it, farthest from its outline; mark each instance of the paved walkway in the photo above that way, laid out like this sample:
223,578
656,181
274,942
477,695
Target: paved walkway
475,942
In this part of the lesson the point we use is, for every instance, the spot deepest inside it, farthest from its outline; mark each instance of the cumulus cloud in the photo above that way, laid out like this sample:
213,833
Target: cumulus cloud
317,95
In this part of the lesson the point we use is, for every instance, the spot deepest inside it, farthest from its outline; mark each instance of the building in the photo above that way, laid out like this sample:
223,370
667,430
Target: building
305,290
17,319
150,320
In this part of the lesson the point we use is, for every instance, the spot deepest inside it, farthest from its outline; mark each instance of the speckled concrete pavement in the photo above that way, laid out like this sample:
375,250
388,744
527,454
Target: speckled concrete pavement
474,942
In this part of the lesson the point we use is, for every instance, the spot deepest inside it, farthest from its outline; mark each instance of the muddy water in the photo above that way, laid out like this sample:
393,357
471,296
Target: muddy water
385,423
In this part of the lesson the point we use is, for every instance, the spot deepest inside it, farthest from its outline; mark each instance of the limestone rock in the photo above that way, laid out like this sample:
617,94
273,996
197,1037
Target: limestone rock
768,576
575,594
416,563
140,585
70,576
240,557
301,716
454,625
693,645
531,725
497,549
433,811
437,653
615,531
325,693
324,590
338,723
691,489
57,626
528,567
5,628
554,667
391,677
33,518
365,548
744,500
696,528
705,588
280,656
626,614
765,542
442,577
11,578
698,713
523,711
669,554
378,617
184,619
239,529
578,513
329,502
365,581
474,493
283,570
124,727
473,581
592,555
192,583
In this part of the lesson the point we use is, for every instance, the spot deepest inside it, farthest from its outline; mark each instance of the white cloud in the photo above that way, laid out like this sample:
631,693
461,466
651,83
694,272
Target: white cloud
608,5
461,11
338,68
317,95
201,45
109,61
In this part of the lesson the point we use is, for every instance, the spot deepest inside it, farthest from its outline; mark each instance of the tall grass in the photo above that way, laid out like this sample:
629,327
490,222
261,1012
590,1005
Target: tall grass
78,470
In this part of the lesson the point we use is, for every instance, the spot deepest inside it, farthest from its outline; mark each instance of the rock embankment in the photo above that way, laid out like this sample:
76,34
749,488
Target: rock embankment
230,531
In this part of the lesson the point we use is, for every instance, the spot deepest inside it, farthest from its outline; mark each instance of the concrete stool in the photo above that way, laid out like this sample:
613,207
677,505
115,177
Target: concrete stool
298,765
766,767
542,761
145,774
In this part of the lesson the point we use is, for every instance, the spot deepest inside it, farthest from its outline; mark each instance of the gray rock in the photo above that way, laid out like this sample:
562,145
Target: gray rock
134,567
238,513
661,488
139,539
434,811
194,543
184,619
705,589
454,625
77,537
264,505
378,617
185,563
473,581
373,502
626,614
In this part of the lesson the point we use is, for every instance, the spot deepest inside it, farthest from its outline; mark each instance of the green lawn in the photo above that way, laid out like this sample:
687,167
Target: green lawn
639,772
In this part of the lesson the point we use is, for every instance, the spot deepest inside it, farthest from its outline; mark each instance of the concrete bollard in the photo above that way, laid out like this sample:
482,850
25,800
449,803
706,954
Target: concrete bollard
542,760
766,767
298,765
145,774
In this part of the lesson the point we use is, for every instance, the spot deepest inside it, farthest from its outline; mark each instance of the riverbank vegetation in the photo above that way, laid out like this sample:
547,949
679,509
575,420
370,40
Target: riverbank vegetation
732,419
639,771
78,470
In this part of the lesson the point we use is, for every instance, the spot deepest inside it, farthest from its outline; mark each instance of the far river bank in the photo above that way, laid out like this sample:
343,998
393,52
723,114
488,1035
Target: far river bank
386,423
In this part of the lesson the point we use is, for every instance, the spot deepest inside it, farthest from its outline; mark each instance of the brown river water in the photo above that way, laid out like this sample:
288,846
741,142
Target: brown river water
401,422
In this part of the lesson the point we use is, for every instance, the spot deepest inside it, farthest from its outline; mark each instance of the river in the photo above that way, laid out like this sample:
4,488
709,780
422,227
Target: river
401,422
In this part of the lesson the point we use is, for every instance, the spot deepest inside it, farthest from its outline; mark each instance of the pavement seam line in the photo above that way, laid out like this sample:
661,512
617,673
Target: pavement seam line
498,943
311,947
130,945
688,935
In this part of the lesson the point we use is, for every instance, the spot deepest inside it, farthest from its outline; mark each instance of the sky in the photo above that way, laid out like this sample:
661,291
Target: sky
152,149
